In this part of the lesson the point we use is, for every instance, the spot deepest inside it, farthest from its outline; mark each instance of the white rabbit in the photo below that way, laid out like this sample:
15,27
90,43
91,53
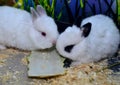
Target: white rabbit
20,29
97,38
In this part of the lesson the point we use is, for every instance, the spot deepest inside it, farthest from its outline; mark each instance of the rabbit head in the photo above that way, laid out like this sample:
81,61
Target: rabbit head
45,25
68,41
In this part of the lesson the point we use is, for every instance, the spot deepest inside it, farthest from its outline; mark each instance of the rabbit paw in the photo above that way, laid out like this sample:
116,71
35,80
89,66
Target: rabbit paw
2,47
67,62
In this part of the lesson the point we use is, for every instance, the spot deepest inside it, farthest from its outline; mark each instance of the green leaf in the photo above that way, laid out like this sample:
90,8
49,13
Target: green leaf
19,4
50,7
59,16
81,3
118,8
53,7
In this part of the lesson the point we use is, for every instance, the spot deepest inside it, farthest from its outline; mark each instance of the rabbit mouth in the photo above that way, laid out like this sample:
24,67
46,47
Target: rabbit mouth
69,48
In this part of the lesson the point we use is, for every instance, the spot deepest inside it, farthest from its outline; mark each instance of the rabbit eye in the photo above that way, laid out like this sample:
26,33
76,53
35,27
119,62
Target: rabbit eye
43,33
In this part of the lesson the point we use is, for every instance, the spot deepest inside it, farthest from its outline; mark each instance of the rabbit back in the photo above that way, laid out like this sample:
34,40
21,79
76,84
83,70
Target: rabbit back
15,25
104,37
97,38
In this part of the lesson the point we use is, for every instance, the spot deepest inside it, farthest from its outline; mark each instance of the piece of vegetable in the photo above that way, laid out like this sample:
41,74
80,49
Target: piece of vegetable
44,64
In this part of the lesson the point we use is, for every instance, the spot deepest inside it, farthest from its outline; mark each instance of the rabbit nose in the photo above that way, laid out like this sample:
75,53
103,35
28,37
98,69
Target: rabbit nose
69,48
54,42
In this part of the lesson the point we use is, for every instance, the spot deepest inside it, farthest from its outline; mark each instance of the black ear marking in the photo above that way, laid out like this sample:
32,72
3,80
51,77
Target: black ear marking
86,29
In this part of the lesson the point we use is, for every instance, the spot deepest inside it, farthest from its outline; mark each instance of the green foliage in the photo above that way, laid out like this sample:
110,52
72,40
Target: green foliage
81,3
50,8
19,4
118,10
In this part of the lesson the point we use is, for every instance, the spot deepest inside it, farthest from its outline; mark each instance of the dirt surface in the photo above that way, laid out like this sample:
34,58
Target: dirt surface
13,71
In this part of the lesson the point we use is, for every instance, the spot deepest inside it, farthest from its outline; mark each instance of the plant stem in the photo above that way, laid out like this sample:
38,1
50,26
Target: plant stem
110,66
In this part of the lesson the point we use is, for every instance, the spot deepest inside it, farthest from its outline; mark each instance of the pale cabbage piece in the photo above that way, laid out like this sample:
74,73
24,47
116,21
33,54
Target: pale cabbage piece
45,64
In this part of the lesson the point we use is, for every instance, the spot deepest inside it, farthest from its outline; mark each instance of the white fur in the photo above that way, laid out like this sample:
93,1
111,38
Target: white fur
22,30
102,41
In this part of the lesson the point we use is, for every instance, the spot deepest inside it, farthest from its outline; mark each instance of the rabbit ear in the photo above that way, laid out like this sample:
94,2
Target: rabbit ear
34,13
40,10
86,29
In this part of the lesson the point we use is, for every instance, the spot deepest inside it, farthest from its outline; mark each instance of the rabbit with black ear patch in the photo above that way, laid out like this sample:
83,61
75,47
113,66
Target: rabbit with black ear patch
26,31
97,38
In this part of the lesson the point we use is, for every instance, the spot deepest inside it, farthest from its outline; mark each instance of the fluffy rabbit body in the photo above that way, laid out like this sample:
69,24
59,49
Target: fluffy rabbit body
26,31
97,38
